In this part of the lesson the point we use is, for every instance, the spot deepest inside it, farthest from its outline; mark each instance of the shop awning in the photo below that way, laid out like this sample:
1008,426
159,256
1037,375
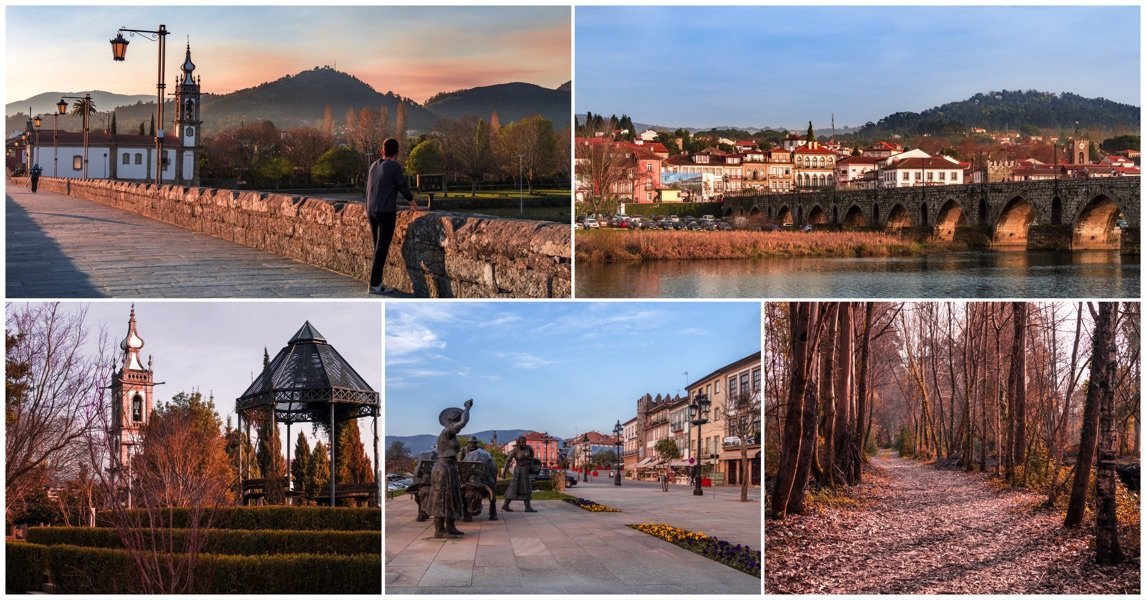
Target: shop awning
648,462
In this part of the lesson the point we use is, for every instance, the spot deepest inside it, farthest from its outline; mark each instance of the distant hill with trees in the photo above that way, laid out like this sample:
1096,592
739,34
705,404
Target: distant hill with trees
1013,110
511,101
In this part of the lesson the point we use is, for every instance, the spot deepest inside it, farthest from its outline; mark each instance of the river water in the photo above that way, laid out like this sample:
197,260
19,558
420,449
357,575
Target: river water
1090,274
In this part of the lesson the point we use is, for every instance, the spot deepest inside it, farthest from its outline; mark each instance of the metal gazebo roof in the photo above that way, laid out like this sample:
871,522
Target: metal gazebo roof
308,378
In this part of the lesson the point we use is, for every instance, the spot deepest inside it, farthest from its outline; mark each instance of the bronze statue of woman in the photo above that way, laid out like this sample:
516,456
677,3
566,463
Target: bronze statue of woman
445,503
520,488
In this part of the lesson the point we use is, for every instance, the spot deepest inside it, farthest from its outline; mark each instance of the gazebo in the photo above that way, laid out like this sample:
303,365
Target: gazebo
309,382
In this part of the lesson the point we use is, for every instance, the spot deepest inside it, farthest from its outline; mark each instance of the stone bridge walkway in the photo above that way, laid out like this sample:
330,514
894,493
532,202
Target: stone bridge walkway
58,246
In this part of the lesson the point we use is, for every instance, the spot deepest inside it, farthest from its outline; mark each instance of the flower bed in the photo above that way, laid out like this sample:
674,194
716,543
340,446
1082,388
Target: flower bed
590,506
741,558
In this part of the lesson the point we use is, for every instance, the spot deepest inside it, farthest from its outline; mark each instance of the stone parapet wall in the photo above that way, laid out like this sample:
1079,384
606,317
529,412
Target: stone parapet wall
434,254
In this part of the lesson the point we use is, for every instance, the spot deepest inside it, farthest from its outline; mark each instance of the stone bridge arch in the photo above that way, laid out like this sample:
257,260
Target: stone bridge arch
817,216
1096,225
854,218
1014,223
949,219
784,216
898,219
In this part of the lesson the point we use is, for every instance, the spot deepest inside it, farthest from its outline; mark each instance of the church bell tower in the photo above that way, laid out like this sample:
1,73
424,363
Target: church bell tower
187,123
131,395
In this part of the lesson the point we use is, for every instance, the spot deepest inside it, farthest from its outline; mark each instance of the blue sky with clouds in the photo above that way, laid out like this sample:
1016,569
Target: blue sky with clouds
561,367
784,66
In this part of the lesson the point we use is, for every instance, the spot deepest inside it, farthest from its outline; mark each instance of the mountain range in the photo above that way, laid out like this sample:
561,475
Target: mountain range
301,99
995,111
426,441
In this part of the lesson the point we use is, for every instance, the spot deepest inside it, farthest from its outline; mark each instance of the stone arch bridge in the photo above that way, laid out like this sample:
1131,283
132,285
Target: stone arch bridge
1076,214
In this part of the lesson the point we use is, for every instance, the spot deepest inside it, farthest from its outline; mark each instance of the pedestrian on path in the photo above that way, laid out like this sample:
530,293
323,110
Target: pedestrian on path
384,182
36,172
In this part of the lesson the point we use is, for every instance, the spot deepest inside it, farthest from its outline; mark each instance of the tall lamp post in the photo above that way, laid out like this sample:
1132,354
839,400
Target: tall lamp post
37,121
55,141
118,53
588,453
698,415
545,440
62,106
617,431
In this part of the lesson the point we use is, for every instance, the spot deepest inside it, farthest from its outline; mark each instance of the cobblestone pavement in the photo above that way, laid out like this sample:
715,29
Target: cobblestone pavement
58,246
562,549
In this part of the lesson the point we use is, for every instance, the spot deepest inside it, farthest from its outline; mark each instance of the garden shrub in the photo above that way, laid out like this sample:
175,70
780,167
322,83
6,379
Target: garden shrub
227,541
77,570
294,518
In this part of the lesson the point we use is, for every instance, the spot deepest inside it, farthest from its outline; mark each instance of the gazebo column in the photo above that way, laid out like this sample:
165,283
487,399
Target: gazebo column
289,451
333,455
377,480
239,436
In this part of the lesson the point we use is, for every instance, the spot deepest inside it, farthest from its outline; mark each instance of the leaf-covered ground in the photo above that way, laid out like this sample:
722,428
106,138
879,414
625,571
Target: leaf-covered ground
916,529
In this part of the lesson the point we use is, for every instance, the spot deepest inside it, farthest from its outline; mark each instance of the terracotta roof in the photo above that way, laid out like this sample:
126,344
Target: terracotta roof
857,160
808,150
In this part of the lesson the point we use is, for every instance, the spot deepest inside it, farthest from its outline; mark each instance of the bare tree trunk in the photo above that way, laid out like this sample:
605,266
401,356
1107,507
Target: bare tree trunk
862,390
1089,437
1018,385
1102,367
827,376
1064,420
802,316
844,369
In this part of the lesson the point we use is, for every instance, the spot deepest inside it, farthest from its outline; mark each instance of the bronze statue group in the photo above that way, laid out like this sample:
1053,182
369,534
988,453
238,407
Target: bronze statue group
448,489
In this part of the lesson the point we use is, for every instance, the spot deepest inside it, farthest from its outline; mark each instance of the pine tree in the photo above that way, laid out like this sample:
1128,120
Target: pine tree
811,134
113,124
300,465
141,129
151,131
318,469
353,465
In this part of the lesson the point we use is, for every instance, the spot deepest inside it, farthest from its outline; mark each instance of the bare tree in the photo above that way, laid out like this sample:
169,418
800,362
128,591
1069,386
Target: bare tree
742,414
1102,380
468,150
52,391
601,164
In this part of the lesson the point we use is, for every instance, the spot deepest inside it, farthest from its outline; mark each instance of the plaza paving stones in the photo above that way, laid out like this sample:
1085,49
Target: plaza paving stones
58,246
562,549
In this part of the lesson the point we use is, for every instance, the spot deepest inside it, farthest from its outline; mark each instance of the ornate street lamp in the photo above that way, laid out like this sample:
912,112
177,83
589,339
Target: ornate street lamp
545,441
588,452
617,431
62,105
37,121
698,415
119,54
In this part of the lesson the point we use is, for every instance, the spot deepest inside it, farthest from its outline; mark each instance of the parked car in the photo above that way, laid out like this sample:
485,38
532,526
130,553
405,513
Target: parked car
591,223
708,225
708,218
673,219
806,229
546,474
724,226
693,226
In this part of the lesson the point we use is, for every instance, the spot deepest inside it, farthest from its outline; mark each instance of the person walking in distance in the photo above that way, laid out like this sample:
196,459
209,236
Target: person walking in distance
384,182
36,172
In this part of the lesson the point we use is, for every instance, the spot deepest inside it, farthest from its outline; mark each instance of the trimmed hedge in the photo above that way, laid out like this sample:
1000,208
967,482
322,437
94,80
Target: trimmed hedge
292,518
226,541
76,570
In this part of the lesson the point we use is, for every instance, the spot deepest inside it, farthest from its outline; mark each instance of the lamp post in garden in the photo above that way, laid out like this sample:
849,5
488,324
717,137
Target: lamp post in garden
62,106
118,54
617,431
698,415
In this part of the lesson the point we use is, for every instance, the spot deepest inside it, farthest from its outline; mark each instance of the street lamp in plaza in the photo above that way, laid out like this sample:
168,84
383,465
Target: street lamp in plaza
86,106
698,415
617,431
37,121
545,440
119,53
588,452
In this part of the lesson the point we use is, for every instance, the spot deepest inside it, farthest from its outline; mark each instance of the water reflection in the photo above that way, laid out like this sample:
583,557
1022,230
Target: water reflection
1090,274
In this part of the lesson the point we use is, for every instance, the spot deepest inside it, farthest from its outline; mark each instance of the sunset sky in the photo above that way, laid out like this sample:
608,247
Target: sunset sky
414,52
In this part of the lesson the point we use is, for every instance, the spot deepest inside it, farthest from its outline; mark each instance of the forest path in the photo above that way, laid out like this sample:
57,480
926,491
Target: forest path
926,530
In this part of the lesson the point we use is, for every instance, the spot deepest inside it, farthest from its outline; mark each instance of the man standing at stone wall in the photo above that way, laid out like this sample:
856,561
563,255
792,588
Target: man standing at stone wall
384,182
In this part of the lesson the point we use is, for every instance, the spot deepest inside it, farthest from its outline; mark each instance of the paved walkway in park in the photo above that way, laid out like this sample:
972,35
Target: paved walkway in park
59,246
562,549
